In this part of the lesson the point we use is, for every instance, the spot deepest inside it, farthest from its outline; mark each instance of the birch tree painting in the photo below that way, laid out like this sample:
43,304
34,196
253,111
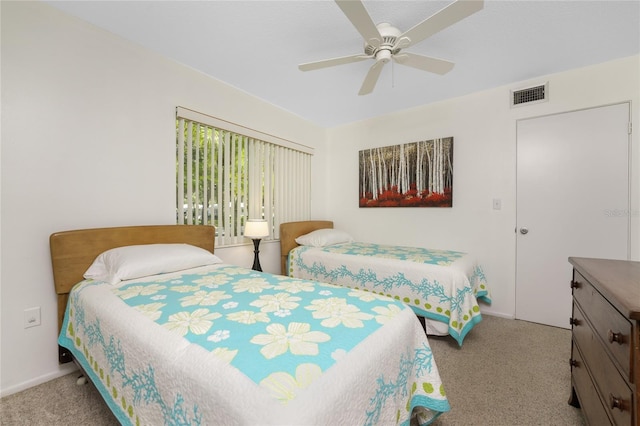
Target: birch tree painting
416,174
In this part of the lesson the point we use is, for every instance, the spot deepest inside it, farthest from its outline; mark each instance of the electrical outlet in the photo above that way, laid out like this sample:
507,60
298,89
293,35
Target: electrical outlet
497,204
32,317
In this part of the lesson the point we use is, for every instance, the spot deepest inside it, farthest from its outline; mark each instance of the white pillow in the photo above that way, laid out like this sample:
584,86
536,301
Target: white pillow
129,262
324,237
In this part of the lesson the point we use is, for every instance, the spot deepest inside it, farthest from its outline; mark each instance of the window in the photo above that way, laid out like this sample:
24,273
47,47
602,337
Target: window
227,174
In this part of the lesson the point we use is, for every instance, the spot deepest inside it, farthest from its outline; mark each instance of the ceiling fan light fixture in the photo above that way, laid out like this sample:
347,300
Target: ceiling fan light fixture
383,55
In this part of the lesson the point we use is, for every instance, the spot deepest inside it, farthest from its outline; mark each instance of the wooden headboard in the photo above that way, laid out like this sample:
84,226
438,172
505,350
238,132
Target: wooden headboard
290,231
72,252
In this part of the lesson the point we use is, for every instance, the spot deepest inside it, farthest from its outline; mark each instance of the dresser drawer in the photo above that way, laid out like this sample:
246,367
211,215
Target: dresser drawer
613,328
611,385
589,400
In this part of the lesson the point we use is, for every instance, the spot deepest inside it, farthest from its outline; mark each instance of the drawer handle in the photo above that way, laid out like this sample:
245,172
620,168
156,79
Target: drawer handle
616,337
575,284
574,321
615,402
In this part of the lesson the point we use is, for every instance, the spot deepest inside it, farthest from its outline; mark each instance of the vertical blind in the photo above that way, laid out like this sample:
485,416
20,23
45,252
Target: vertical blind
226,174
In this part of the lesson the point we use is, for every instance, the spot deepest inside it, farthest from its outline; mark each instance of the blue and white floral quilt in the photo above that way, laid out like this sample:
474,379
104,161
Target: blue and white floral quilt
440,285
227,345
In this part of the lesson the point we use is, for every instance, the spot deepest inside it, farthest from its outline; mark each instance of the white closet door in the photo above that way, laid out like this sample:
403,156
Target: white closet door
572,200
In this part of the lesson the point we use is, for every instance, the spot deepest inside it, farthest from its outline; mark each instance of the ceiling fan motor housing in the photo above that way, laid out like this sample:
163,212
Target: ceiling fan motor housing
387,47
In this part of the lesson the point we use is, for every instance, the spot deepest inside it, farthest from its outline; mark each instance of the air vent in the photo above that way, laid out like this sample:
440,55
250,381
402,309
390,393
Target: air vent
530,95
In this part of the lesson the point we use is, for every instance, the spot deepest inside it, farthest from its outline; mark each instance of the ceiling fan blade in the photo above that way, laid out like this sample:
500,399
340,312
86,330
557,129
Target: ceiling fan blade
425,63
371,79
360,18
451,14
309,66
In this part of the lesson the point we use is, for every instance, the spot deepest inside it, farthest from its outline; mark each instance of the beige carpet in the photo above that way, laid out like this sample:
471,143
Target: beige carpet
508,373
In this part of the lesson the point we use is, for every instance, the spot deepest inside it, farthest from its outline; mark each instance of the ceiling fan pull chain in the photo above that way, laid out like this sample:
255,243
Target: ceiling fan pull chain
393,74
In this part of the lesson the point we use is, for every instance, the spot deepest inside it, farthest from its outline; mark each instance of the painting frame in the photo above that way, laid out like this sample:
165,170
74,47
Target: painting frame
414,174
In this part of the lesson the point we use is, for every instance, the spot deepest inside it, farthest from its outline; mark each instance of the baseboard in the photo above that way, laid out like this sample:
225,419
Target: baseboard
62,371
496,314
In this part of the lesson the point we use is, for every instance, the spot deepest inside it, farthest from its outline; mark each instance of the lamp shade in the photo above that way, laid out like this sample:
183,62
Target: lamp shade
255,228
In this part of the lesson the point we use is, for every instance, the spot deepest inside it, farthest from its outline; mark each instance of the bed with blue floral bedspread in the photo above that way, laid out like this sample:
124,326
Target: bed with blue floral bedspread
221,344
442,286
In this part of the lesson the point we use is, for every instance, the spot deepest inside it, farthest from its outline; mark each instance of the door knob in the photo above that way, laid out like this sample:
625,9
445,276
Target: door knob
524,231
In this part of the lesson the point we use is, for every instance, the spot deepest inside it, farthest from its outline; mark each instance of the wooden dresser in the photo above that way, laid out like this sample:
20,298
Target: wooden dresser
605,351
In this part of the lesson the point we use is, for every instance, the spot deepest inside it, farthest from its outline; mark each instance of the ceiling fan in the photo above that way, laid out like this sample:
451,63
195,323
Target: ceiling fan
384,42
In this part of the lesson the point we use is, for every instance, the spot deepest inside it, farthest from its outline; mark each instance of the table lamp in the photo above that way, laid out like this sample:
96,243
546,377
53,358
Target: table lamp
256,230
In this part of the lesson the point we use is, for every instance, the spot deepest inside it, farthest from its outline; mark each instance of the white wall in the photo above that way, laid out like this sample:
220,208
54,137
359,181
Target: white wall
484,130
88,140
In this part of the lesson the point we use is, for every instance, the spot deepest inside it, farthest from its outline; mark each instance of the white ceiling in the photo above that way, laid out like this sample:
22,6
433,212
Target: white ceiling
256,46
